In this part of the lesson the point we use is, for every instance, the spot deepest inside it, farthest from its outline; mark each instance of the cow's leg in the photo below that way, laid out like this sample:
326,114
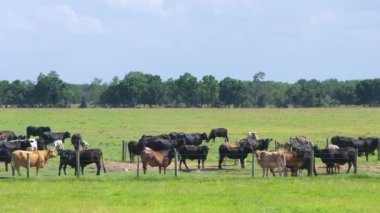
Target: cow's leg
159,169
366,156
199,163
82,168
37,171
98,167
18,171
220,161
272,171
144,166
227,138
59,169
263,172
349,167
242,163
203,163
184,162
6,166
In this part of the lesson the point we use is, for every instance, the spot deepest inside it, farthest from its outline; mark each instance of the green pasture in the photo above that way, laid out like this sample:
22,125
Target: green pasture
211,190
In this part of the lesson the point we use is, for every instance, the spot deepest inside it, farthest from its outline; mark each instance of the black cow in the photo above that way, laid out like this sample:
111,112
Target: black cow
133,150
218,132
261,144
88,156
340,156
193,152
36,131
50,137
7,147
7,135
157,143
363,145
195,139
239,152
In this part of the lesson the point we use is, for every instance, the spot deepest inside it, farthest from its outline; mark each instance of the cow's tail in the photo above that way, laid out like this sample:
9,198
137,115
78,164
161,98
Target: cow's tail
104,168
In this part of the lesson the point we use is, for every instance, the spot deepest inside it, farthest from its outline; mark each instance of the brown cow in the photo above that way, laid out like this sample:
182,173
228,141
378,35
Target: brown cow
270,160
37,159
161,159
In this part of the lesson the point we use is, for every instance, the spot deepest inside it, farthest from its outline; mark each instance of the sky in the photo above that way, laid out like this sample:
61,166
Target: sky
288,40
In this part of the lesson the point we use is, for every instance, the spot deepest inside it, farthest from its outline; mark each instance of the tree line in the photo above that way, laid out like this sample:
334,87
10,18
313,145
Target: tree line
139,89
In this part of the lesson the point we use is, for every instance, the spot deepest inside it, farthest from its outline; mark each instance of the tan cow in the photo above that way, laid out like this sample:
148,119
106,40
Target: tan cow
156,158
270,160
37,159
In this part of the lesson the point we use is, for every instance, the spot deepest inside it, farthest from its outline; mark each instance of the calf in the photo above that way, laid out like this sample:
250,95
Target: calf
270,160
193,152
86,157
162,159
133,150
37,159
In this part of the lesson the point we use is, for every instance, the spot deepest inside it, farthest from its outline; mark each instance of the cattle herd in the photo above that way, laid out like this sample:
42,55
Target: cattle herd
159,150
24,151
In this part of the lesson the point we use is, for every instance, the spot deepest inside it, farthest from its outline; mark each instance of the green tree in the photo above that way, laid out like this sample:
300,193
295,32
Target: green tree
209,90
187,90
50,90
234,92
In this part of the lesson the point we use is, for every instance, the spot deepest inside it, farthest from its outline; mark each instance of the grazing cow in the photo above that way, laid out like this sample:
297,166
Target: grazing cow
340,156
253,135
133,150
162,159
364,145
37,159
218,132
298,142
270,160
193,152
239,152
195,139
86,157
7,135
36,131
50,137
7,147
157,143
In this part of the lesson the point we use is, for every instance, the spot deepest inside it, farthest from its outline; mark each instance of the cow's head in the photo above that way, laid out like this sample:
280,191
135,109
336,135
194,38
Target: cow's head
66,134
76,140
204,136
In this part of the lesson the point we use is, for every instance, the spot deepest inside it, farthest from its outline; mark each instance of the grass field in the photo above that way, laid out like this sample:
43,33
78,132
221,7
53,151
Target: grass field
229,190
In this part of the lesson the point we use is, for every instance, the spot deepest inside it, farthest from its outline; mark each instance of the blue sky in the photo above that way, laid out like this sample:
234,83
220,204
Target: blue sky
286,39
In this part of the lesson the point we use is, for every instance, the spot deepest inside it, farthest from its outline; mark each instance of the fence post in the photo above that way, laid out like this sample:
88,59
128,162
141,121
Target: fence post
378,151
138,165
356,162
175,162
253,164
123,151
312,163
28,166
327,143
77,154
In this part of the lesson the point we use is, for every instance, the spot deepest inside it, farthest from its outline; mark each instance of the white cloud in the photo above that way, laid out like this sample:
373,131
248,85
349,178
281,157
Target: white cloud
151,6
12,21
67,19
